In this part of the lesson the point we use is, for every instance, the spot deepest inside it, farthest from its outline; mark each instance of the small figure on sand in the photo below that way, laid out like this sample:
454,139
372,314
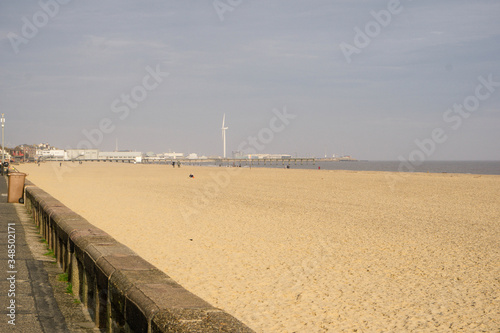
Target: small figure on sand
191,176
173,164
178,164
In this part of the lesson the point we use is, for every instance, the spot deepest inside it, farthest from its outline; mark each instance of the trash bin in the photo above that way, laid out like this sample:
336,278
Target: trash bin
16,187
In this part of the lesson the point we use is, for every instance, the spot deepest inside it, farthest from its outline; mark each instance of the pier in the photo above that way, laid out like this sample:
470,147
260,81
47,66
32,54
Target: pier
234,162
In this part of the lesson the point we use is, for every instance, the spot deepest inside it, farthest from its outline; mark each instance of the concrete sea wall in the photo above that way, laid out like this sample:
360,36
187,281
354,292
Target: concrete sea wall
122,291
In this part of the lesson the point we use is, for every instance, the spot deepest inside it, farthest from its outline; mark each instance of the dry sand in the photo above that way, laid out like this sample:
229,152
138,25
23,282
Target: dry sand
303,250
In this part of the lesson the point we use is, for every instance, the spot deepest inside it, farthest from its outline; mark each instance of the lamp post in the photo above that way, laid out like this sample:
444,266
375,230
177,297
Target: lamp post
3,148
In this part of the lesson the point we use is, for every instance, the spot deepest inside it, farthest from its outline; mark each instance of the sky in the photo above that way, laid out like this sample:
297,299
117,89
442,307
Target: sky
378,80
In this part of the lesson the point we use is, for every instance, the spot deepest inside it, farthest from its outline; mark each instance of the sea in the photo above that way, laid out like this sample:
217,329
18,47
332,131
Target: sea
464,167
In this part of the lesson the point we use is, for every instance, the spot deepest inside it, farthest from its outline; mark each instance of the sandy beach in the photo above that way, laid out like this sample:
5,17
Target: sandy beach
305,250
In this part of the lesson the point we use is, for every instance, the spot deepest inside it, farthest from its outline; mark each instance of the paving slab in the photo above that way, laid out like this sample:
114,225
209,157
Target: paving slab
31,297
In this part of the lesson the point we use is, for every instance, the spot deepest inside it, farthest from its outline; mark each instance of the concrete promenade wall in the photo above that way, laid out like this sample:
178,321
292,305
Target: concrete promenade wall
121,290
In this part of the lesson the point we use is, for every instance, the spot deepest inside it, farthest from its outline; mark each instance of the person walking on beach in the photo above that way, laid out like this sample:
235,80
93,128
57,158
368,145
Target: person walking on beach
173,164
178,164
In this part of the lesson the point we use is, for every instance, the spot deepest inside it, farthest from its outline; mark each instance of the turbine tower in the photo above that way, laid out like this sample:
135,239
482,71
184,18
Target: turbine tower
224,128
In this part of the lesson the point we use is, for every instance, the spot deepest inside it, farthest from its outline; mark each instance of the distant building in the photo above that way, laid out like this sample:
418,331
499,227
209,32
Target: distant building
17,155
82,154
44,146
7,156
51,155
121,155
172,156
239,154
280,156
266,156
23,153
28,152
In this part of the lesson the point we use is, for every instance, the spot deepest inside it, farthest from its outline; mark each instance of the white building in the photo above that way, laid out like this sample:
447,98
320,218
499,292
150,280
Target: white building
267,156
121,155
280,156
172,156
82,154
7,156
51,155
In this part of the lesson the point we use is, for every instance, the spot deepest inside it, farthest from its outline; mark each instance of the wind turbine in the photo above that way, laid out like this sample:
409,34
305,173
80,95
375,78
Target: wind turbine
224,128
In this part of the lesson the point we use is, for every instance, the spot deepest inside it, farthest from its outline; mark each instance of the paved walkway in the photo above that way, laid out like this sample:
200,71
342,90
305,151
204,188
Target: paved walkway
31,297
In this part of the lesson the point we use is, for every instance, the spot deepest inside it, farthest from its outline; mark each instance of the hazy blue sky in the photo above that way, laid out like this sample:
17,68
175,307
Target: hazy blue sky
67,68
